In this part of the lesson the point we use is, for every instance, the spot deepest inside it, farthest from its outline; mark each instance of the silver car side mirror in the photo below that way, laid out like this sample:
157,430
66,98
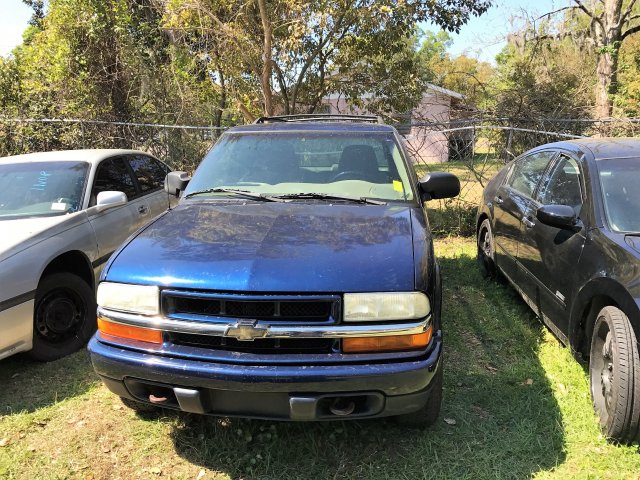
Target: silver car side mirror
110,199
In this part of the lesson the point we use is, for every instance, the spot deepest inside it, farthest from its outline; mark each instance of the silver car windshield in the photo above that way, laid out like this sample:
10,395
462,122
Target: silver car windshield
358,165
41,189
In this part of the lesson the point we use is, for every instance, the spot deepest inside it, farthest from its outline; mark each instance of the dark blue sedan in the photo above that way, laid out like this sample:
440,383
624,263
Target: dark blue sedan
562,224
296,280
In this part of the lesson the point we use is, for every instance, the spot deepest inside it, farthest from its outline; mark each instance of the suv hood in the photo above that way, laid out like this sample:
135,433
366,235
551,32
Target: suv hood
272,247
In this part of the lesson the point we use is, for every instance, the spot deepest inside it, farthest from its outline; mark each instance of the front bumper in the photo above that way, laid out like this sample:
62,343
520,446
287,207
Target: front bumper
281,392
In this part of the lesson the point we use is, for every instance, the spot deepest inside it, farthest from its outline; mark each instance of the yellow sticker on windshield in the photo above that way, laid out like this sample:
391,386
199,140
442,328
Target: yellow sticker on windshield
397,186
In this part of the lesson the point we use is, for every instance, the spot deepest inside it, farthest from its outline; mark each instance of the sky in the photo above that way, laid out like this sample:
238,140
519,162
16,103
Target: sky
482,37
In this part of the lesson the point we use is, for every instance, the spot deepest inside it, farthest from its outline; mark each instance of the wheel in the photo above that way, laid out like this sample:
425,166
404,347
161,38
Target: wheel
486,250
428,414
347,175
614,372
64,316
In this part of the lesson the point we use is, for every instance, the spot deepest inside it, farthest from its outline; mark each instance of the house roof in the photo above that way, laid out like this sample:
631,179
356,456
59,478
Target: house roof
444,91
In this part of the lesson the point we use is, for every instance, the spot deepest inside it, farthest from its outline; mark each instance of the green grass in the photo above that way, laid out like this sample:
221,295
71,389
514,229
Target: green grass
520,403
456,216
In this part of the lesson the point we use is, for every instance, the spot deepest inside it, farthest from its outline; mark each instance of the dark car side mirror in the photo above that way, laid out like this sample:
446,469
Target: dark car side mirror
559,216
176,182
435,185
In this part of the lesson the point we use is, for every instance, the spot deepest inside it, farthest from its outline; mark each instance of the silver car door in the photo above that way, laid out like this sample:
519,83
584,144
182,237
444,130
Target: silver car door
114,225
150,174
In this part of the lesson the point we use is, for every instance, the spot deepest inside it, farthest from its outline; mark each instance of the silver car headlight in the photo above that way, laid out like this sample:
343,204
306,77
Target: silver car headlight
124,297
377,307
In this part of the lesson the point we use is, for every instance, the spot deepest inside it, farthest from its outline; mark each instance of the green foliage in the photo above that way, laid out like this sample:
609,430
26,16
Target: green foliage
548,83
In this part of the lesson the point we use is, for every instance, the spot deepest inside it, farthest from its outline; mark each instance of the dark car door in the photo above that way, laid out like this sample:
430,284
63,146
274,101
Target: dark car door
548,255
512,201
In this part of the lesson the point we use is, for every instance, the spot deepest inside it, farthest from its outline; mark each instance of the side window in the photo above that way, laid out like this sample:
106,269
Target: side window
528,171
113,174
149,172
563,185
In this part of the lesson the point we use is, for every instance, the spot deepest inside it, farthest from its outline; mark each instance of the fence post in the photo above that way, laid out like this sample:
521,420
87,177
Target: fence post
509,140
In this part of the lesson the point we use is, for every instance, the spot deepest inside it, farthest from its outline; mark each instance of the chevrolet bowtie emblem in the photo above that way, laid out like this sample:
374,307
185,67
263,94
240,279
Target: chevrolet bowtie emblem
247,331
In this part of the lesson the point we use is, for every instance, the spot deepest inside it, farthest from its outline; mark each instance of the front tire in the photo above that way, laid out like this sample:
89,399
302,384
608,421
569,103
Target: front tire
428,414
614,372
486,250
64,316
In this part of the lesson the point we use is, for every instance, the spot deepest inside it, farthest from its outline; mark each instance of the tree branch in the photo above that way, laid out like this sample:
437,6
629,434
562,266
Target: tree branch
630,31
570,7
321,44
590,14
626,14
585,9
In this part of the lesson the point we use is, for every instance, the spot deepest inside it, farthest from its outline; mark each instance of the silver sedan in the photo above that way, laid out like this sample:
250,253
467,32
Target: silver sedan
62,214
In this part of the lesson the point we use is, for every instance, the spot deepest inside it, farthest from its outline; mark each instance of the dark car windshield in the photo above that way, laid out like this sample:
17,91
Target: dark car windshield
620,181
41,189
358,165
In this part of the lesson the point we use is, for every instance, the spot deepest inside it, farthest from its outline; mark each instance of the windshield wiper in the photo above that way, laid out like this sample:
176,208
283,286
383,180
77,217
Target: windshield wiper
244,193
323,196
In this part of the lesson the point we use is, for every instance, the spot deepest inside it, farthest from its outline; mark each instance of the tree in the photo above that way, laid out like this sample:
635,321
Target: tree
461,74
291,53
610,23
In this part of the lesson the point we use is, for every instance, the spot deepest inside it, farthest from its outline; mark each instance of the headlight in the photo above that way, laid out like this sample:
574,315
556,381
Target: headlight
375,307
129,298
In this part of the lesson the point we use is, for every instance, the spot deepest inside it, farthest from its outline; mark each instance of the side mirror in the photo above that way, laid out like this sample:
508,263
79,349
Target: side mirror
176,182
110,199
437,185
559,216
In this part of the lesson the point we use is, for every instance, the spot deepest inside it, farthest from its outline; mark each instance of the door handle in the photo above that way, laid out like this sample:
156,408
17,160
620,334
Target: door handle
498,199
528,223
142,209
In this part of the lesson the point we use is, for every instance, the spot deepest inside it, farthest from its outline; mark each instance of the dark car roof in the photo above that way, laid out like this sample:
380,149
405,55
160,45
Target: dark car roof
603,148
322,126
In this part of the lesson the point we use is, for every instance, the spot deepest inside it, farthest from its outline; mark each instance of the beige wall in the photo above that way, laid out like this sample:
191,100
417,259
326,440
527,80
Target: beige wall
425,144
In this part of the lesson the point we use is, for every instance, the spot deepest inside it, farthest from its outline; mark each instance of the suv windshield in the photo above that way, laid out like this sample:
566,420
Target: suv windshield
41,189
358,165
620,179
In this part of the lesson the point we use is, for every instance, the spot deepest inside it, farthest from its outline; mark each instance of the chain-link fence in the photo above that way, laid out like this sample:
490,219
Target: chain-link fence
474,148
180,146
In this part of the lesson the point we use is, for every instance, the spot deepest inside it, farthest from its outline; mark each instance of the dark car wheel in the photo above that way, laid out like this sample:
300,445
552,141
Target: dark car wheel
64,316
614,370
486,250
428,414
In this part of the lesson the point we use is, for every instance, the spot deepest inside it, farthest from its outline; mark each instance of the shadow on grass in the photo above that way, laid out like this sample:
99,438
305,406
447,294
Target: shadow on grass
27,385
507,422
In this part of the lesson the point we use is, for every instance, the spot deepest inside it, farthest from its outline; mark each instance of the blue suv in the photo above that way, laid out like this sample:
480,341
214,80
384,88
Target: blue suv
295,280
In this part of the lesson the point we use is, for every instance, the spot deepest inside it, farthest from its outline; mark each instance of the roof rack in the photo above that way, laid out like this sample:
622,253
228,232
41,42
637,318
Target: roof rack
320,117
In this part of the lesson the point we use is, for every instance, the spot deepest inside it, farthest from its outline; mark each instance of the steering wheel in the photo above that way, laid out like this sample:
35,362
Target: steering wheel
355,175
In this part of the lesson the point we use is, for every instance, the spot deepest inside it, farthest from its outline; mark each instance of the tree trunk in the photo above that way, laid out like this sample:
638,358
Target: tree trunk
265,78
605,85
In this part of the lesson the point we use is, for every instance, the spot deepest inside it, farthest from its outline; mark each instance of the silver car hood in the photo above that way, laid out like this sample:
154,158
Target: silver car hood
16,235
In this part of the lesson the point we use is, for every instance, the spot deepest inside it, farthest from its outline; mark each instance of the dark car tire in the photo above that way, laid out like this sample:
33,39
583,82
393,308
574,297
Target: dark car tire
614,373
428,414
64,316
486,250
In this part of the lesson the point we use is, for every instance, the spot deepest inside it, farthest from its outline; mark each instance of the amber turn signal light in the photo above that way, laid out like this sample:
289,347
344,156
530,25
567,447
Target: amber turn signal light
391,343
117,330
